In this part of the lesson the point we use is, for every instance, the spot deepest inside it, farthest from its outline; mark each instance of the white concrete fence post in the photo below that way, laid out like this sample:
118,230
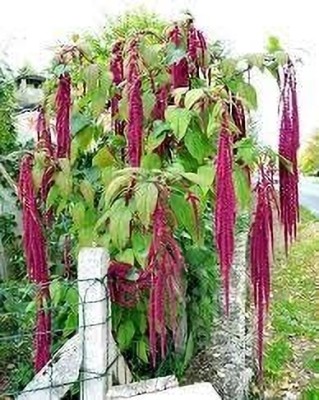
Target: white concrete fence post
93,322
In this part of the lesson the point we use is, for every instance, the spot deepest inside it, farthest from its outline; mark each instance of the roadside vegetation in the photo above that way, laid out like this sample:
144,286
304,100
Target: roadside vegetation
292,352
309,160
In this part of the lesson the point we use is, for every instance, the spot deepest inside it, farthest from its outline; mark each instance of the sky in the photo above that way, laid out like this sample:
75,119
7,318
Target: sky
30,29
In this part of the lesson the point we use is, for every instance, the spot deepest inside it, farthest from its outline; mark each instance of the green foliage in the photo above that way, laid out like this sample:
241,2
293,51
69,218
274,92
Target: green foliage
294,328
312,391
309,160
311,361
12,246
7,104
16,316
179,119
278,354
202,290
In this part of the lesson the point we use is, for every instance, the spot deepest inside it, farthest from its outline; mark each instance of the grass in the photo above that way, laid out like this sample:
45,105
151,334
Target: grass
292,350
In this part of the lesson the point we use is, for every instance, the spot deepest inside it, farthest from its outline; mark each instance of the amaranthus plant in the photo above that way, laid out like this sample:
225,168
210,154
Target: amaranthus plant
153,141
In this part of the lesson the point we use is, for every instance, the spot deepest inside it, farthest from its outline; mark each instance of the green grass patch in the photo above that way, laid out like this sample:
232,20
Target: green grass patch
278,353
311,392
307,215
311,361
294,311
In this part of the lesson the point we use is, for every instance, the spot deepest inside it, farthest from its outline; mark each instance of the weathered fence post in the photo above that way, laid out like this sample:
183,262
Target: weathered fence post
93,322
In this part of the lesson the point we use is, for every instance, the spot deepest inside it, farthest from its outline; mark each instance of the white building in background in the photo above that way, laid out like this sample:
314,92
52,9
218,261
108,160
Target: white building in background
29,95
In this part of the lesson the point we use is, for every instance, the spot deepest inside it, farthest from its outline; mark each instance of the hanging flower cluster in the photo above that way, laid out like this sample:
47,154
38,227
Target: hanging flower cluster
197,49
179,70
162,278
239,118
36,259
117,70
45,144
261,247
196,55
135,106
63,105
34,220
225,208
288,147
165,264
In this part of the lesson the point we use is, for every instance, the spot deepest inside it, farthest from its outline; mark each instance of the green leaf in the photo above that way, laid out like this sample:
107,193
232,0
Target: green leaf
158,135
163,78
183,212
142,322
71,324
192,97
91,75
31,307
206,174
189,352
87,192
146,200
125,334
247,151
72,297
195,178
100,94
63,181
120,220
188,162
151,54
273,44
98,99
60,69
148,103
126,256
56,291
178,94
248,93
141,351
281,57
228,67
84,137
115,187
213,126
79,121
74,151
256,60
101,222
61,206
52,196
286,163
123,108
140,245
107,175
197,144
38,169
87,237
174,54
179,119
78,214
104,241
242,187
103,158
151,161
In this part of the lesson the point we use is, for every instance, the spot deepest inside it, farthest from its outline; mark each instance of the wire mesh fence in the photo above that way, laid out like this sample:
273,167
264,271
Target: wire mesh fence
83,352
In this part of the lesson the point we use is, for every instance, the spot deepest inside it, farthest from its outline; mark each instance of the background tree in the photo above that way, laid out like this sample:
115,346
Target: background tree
309,159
